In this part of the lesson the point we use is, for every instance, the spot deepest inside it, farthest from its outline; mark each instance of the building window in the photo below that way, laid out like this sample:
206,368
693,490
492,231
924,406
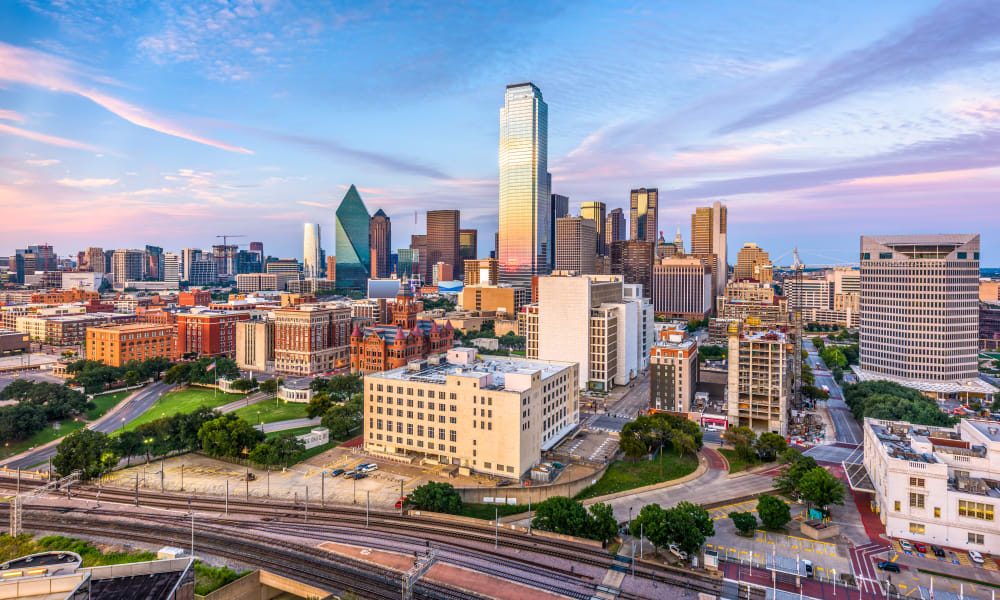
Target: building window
897,505
916,482
937,512
916,500
975,510
917,528
977,538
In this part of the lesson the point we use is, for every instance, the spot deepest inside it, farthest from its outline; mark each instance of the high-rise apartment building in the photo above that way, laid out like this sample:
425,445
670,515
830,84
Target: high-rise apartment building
597,212
482,271
634,261
708,237
127,265
443,238
760,375
154,263
468,245
353,247
989,326
682,288
203,272
171,268
643,211
560,209
487,414
752,262
380,240
94,260
920,314
614,230
525,211
811,292
576,245
311,244
673,371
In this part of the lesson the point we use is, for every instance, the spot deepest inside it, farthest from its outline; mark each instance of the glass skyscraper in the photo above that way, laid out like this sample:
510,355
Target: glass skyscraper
525,205
353,250
310,251
644,205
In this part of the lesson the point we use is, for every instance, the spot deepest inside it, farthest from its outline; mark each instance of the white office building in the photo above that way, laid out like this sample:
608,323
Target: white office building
311,253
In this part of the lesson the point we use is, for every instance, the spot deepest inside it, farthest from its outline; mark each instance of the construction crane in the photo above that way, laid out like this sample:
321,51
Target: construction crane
225,238
797,315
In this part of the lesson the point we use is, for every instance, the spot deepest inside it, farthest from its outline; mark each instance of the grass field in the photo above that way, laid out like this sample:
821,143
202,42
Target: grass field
269,413
102,404
182,401
737,464
488,512
43,437
624,475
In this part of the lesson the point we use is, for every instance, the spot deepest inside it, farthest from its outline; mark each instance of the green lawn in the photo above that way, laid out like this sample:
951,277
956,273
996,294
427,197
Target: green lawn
488,512
44,436
269,413
104,403
624,475
182,401
296,431
737,464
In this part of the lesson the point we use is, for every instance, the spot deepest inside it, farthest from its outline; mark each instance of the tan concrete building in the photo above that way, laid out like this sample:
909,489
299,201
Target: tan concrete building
770,313
989,290
310,339
749,290
760,369
255,345
499,298
482,271
673,372
576,244
752,262
708,238
115,345
488,414
259,282
682,288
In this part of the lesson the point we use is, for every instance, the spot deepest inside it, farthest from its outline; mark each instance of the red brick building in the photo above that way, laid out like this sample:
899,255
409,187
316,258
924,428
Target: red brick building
207,333
194,298
383,347
310,340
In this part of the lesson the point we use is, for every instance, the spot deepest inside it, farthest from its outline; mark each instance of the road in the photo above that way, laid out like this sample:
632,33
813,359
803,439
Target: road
243,402
126,412
289,424
846,428
37,376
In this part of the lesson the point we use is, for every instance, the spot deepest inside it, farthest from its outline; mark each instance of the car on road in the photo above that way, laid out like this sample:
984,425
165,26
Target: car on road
938,551
888,566
336,472
677,552
906,546
976,557
920,546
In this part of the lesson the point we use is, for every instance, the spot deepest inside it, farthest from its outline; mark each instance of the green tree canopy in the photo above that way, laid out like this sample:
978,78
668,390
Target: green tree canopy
604,526
651,522
769,445
689,525
84,450
744,522
436,497
228,435
559,514
774,512
344,418
821,489
893,402
742,440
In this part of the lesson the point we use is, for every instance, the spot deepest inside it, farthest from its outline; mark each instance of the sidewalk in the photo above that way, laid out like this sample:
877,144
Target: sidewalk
238,404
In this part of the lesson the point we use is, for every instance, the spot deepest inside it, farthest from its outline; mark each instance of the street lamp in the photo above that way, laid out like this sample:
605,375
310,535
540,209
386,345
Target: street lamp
147,442
123,424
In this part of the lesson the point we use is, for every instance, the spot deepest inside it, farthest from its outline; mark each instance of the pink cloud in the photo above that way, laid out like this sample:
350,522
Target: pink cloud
10,115
22,65
46,139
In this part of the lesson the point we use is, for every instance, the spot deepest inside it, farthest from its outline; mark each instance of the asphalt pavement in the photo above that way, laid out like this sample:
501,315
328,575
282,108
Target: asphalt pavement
846,428
289,424
37,376
126,412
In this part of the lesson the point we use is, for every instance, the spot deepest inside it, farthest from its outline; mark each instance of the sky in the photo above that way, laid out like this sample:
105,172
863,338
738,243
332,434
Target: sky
162,122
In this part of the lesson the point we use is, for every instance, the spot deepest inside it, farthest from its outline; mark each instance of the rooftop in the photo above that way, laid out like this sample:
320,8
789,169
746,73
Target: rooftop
976,386
132,327
495,366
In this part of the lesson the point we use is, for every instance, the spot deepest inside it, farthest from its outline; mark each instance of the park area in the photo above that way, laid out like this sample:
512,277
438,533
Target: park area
183,401
625,475
270,411
58,429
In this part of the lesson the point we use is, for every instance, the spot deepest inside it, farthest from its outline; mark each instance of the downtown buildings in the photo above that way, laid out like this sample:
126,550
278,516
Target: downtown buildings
380,242
312,264
525,213
644,212
353,248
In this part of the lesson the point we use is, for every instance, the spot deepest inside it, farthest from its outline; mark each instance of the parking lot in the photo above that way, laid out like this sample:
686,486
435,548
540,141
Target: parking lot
953,556
593,444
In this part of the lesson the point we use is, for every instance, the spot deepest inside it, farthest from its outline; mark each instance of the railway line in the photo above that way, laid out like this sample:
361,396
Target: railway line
467,545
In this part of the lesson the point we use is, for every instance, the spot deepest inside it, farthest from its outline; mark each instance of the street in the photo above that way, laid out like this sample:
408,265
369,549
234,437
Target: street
846,428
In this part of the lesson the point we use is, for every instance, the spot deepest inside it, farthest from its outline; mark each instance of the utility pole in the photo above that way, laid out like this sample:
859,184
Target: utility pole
496,532
322,489
161,475
368,505
227,497
137,488
307,504
401,497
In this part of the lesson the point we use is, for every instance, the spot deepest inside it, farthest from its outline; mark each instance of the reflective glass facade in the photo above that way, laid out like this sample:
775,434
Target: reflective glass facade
310,251
353,250
525,205
644,205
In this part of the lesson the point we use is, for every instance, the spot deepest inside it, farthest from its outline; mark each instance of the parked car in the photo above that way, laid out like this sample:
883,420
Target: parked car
349,474
976,556
336,472
920,546
399,503
678,552
370,467
938,551
809,567
889,566
503,483
360,475
906,546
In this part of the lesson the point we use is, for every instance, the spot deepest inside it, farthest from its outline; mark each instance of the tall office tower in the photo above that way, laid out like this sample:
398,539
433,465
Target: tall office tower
614,230
353,250
644,209
258,247
154,263
127,265
576,245
408,263
249,262
94,260
481,271
708,236
311,244
525,210
45,257
203,272
682,288
496,245
560,209
442,239
171,267
188,256
634,260
468,245
225,259
752,262
380,242
418,243
919,313
597,212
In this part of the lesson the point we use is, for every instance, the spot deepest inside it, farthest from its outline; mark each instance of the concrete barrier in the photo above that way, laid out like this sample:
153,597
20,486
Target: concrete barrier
537,493
524,530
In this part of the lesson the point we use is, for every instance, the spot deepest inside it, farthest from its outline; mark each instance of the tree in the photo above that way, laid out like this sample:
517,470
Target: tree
683,444
814,393
318,405
559,514
744,522
176,374
769,445
343,419
790,478
689,525
838,374
244,385
651,522
605,527
633,447
821,489
893,402
269,386
84,450
774,513
436,497
228,435
132,378
742,440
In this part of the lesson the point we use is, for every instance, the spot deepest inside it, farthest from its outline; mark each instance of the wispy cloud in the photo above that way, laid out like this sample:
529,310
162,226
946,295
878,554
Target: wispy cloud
26,66
87,183
41,162
46,139
953,35
316,204
10,115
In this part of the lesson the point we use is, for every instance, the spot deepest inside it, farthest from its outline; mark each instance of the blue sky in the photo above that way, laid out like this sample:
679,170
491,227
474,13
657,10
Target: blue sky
132,122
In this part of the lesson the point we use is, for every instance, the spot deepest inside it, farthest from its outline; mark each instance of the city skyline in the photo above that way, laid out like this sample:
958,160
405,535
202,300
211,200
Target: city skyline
167,135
